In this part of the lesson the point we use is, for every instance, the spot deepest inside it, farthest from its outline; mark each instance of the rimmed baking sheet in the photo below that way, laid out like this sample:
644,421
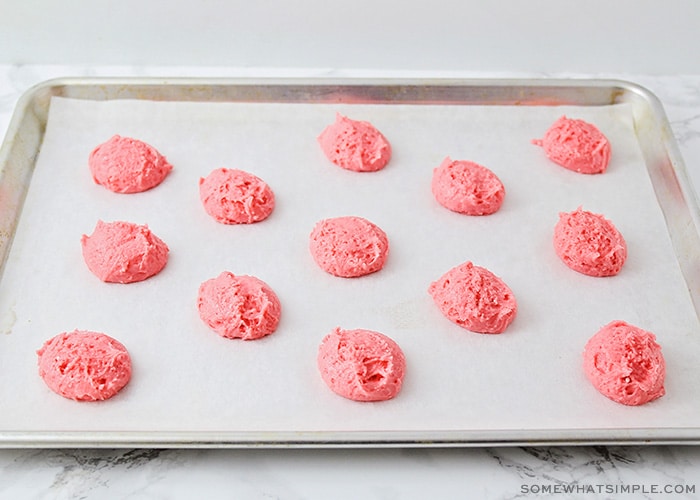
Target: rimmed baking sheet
193,388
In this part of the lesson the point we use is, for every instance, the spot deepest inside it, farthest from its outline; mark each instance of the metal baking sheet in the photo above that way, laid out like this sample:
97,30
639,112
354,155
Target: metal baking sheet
192,388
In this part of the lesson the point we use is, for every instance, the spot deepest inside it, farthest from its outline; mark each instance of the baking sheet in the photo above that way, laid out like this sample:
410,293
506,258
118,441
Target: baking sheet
186,379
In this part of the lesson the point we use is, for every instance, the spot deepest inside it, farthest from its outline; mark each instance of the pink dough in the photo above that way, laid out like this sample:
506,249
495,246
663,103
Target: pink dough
126,165
348,247
589,243
576,145
361,365
238,307
474,298
625,364
123,252
233,196
467,188
84,366
355,145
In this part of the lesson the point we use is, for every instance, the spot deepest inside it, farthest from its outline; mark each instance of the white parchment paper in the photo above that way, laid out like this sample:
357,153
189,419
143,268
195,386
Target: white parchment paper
186,378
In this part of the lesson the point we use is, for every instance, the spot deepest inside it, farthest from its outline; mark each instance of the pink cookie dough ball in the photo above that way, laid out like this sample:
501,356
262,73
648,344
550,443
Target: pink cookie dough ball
123,252
576,145
234,196
126,165
355,145
589,243
467,187
474,298
361,365
348,247
84,365
239,307
625,364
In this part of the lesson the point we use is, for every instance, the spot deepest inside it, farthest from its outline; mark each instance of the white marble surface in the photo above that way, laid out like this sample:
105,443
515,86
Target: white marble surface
535,472
552,35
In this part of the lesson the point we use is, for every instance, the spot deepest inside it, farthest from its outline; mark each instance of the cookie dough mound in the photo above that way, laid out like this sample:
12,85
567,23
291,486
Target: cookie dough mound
123,252
126,165
576,145
625,364
589,243
348,247
233,196
467,188
355,145
84,365
361,365
474,298
239,307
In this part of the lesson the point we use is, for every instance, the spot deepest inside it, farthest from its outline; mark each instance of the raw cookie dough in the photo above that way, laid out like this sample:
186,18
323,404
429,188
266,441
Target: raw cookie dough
348,247
576,145
84,365
361,365
467,187
589,243
233,196
238,307
624,363
123,252
126,165
355,145
474,298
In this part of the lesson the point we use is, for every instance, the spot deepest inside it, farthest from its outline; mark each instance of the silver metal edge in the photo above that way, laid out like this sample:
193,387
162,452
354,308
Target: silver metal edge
15,172
355,439
119,88
678,201
672,150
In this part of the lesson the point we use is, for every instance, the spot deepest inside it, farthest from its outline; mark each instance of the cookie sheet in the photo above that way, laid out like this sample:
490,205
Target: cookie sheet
526,383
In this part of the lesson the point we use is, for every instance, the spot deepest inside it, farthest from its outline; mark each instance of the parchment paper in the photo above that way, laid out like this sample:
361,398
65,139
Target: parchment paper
187,378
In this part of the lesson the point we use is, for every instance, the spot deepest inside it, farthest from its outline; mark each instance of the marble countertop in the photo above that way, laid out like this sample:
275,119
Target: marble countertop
496,472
